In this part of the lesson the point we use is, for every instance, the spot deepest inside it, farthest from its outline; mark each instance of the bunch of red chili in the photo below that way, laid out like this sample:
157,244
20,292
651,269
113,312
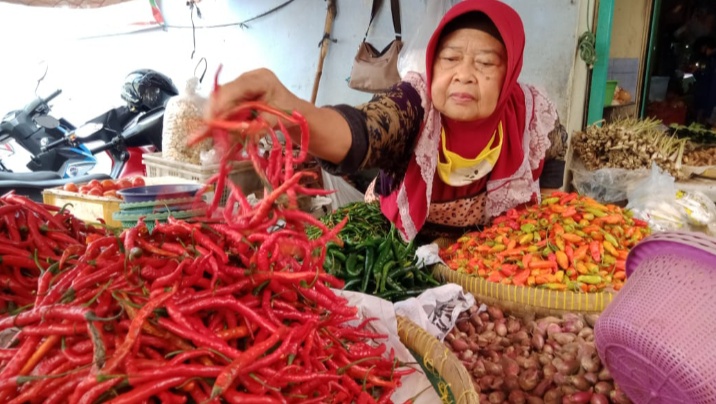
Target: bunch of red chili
566,242
36,240
239,310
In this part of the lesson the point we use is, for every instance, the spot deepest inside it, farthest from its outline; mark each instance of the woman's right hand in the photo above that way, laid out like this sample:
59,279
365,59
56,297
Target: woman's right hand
329,131
255,85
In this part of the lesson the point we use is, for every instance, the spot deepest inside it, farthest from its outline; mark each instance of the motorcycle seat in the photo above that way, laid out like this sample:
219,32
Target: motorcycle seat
29,176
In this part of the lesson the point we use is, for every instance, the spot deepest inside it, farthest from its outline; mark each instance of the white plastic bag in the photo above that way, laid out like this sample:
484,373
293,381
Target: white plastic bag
412,56
654,201
659,202
183,116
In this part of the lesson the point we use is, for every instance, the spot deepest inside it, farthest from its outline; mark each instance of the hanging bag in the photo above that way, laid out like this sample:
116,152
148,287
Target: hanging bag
372,70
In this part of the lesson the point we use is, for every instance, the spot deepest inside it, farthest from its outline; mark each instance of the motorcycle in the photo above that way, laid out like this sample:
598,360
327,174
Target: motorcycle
33,128
124,133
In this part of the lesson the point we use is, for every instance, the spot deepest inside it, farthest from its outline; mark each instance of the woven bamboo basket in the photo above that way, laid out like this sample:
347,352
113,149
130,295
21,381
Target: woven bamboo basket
522,299
449,376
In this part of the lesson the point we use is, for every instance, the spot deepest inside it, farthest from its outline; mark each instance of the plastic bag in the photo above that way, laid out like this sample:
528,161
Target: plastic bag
658,201
183,116
412,56
699,209
654,201
606,185
344,192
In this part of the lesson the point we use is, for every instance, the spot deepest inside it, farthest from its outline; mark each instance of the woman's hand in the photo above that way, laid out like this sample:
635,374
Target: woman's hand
256,85
330,136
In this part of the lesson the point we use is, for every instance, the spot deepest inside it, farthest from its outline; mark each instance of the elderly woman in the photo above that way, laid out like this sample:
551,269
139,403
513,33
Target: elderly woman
455,147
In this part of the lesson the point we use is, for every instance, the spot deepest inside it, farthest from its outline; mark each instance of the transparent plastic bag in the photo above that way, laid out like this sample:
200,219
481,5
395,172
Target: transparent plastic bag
412,56
654,200
183,116
699,209
606,185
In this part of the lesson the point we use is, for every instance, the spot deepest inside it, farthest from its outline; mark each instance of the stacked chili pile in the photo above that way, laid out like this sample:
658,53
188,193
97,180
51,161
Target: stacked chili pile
567,242
373,258
237,310
35,239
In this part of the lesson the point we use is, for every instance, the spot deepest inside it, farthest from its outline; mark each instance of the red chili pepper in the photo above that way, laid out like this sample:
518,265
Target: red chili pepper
230,303
229,374
594,250
520,278
147,390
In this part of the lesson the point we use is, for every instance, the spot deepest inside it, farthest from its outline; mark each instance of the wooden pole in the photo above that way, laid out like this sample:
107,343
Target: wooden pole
330,17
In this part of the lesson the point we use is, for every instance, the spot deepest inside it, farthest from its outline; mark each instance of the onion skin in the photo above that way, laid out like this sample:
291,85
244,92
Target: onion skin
511,383
605,374
495,313
618,397
581,397
603,388
553,396
510,366
459,345
563,338
566,367
599,399
501,328
516,397
549,370
494,369
513,325
529,379
496,397
542,387
535,400
591,319
486,382
553,328
462,325
580,383
591,378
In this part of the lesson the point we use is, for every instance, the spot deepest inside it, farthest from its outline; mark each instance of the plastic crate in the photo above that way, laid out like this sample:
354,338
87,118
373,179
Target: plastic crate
242,173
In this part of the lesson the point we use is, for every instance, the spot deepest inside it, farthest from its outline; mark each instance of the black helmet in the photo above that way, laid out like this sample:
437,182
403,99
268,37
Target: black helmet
146,89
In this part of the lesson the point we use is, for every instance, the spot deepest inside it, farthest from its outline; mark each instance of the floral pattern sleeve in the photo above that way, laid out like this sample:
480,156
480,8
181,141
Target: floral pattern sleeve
384,131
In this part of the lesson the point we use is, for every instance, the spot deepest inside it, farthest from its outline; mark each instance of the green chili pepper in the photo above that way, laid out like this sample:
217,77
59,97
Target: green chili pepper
353,284
527,228
590,279
337,255
550,201
393,284
351,265
595,212
384,275
546,251
611,239
367,267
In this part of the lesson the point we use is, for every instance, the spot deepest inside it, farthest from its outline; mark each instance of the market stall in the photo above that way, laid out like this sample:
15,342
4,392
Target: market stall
222,274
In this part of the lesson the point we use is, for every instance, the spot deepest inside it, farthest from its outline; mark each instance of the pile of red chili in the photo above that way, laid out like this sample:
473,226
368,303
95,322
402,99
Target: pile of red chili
36,241
234,310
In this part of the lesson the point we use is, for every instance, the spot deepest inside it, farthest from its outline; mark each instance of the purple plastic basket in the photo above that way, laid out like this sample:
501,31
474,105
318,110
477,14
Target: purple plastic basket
658,335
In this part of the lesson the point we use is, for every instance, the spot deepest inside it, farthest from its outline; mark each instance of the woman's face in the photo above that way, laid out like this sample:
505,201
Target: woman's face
468,72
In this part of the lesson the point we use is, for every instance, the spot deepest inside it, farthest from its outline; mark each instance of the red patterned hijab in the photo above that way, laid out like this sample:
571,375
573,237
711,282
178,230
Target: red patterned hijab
469,138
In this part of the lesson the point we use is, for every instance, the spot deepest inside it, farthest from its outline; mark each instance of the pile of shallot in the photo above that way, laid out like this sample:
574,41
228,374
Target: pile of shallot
532,360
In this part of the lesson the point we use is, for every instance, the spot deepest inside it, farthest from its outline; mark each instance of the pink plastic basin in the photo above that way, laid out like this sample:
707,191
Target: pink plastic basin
658,335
